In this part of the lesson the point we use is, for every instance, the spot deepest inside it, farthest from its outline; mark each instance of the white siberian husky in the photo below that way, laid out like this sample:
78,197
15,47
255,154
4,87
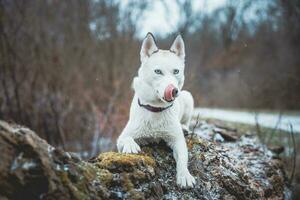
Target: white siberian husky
159,109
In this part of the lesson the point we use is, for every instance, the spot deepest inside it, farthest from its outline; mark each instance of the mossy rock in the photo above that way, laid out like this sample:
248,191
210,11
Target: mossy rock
119,162
105,176
242,169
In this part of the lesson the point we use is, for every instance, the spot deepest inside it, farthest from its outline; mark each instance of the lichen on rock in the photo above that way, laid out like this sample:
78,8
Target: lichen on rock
239,168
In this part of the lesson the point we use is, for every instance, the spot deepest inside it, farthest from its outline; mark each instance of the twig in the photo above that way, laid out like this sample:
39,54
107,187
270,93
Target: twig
258,131
196,124
275,128
294,154
278,121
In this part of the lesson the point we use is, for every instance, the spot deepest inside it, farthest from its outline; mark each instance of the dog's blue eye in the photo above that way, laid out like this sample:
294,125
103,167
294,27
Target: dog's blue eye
176,71
158,71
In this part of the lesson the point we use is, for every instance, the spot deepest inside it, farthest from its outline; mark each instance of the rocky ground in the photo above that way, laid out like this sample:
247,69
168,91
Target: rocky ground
226,164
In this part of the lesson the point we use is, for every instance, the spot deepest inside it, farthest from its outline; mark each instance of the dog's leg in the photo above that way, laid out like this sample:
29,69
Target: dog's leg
186,119
126,143
187,104
180,153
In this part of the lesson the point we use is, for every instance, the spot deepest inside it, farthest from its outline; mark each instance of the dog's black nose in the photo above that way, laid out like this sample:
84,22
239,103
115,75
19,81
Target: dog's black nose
175,92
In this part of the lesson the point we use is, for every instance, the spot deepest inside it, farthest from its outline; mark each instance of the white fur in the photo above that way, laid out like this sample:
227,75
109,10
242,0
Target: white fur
168,125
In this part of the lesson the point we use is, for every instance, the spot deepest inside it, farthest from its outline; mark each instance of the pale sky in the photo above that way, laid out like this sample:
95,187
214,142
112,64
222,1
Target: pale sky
162,21
162,17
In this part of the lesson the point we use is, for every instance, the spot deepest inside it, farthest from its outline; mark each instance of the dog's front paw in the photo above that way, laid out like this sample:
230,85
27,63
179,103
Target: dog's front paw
128,146
185,179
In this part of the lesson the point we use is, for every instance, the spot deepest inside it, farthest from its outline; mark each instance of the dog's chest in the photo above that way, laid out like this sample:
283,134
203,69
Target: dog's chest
157,126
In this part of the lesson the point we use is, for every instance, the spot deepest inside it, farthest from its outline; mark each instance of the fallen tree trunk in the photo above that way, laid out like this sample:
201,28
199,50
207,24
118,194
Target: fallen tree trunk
32,169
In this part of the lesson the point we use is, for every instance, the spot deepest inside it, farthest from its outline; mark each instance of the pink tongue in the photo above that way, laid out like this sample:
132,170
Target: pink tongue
168,92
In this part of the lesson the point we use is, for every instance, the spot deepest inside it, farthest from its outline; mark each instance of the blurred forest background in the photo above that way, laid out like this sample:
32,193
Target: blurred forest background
66,66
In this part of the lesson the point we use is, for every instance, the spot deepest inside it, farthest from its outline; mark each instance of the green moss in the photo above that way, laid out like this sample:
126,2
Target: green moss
135,195
76,193
128,186
88,174
139,175
133,169
110,160
191,141
126,182
105,176
87,170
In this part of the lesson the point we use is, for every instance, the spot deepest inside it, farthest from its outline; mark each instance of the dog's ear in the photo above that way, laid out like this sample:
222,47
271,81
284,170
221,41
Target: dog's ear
148,47
178,47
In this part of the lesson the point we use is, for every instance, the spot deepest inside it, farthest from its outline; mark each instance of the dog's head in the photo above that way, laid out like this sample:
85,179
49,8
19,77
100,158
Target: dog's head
161,75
